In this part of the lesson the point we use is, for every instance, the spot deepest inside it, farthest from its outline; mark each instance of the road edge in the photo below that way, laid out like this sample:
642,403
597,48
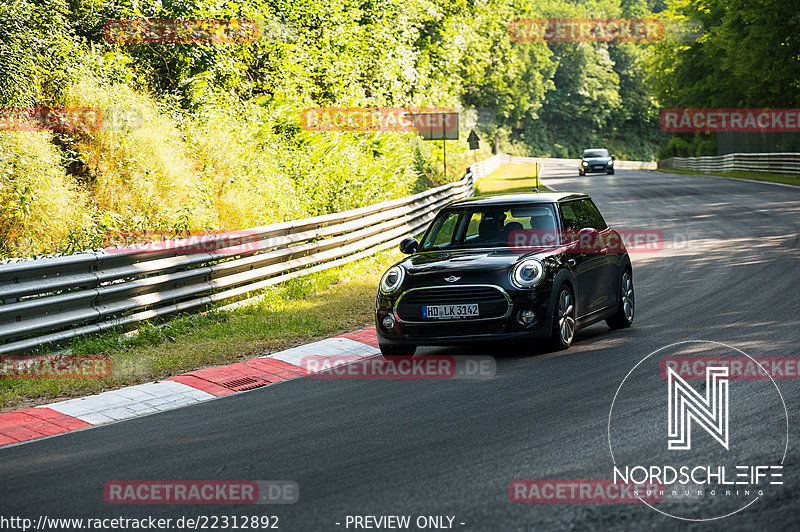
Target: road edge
55,419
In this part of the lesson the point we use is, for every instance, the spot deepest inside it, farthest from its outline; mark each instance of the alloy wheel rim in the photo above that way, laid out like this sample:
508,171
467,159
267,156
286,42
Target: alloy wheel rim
627,296
566,318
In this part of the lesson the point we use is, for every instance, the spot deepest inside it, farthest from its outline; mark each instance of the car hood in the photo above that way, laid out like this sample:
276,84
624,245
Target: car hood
471,266
596,160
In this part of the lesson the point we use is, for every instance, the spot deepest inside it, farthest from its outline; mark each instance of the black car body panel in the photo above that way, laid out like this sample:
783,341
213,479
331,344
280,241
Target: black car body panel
481,275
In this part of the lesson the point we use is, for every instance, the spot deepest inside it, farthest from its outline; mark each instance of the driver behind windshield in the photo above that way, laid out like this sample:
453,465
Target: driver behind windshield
490,230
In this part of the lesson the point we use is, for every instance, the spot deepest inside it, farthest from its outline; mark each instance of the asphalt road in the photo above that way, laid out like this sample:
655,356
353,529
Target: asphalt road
728,273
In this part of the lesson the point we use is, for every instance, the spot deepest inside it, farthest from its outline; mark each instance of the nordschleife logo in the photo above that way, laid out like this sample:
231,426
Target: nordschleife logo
712,448
686,405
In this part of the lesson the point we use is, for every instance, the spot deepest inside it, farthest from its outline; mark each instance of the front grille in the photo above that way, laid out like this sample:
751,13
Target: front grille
491,301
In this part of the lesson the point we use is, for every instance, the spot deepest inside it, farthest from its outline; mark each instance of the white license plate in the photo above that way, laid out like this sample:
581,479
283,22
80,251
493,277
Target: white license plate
444,312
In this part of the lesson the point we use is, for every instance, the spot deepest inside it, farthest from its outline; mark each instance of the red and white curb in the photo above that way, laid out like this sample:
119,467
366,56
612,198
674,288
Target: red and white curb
179,391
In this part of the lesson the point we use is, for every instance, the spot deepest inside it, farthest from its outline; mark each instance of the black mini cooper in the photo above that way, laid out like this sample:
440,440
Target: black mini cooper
506,267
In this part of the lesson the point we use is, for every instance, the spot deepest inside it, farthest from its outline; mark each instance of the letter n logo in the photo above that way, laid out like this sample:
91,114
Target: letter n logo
684,404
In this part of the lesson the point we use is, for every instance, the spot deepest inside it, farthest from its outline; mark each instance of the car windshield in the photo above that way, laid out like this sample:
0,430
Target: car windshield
487,226
595,153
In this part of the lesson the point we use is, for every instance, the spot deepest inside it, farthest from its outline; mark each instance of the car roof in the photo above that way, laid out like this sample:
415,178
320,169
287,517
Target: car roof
507,199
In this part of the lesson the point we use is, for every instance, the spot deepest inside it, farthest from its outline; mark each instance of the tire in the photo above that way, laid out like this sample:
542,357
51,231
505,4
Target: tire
398,351
581,173
610,173
564,312
625,310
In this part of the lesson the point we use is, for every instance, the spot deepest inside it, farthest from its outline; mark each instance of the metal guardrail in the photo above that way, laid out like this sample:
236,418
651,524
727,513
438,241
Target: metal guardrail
52,300
778,163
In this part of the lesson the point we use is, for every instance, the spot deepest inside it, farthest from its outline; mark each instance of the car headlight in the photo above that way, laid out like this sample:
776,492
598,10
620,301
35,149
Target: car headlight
610,163
392,279
527,273
585,163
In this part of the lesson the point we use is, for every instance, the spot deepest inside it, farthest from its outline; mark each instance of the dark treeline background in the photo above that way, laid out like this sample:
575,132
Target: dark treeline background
220,145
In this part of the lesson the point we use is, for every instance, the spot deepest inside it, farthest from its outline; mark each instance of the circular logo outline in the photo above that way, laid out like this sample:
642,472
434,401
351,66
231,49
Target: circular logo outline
611,411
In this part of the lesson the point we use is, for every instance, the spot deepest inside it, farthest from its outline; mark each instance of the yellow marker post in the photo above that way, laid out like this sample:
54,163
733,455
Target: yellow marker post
536,174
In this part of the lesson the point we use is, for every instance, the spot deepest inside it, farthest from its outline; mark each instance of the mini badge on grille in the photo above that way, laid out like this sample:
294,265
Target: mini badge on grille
452,279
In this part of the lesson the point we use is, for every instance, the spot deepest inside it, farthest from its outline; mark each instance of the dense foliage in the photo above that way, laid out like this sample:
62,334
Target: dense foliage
748,57
220,144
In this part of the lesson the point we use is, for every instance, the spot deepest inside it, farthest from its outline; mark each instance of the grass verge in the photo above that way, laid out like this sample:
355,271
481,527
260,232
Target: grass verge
293,313
509,179
787,179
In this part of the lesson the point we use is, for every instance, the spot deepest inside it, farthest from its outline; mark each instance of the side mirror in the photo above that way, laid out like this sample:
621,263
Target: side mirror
409,245
613,157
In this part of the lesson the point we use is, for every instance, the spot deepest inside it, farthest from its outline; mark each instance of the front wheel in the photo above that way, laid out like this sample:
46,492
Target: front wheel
398,351
563,320
610,172
624,316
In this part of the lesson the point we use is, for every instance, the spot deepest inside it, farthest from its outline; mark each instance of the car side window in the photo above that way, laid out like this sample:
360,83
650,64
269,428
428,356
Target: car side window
581,214
592,215
569,217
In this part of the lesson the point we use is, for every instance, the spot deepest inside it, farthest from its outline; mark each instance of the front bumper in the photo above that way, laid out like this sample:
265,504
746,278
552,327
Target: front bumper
597,168
414,330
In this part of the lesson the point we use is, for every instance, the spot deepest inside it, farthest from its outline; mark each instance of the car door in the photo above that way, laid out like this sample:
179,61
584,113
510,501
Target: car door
607,284
591,267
